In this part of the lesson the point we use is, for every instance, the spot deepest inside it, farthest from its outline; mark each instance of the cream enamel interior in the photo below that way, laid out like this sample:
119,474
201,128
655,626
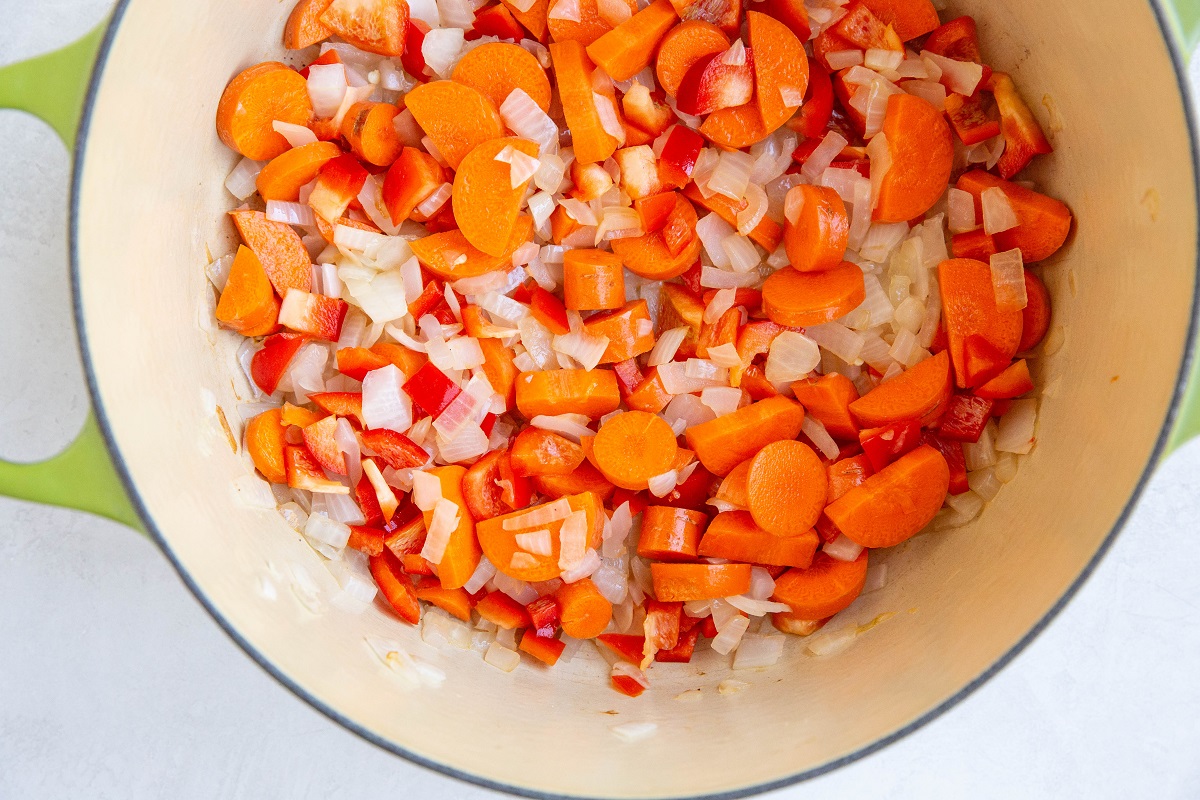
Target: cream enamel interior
150,214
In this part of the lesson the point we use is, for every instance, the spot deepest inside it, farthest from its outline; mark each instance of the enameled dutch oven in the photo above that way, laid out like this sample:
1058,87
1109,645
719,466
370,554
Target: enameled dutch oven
1107,79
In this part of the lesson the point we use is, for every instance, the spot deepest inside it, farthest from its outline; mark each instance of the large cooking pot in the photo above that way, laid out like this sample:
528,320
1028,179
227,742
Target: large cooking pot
1106,77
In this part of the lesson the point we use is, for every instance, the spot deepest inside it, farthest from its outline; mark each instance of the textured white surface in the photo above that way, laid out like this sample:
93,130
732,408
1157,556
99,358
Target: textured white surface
115,683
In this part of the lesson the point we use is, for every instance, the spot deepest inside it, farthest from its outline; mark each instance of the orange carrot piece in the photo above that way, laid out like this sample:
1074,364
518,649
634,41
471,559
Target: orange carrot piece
462,552
649,255
676,583
395,586
442,253
502,610
592,393
1036,314
629,48
737,127
922,152
828,399
969,309
766,234
499,369
909,18
288,172
780,68
543,648
304,27
734,535
723,443
356,362
817,240
254,100
377,26
590,27
683,46
584,613
734,488
630,331
407,361
633,447
593,280
586,478
895,503
486,204
796,299
371,133
533,19
266,437
497,68
573,73
500,544
920,392
1012,382
823,589
1043,223
650,395
671,534
539,452
248,304
786,486
455,602
456,117
300,417
844,475
723,331
278,247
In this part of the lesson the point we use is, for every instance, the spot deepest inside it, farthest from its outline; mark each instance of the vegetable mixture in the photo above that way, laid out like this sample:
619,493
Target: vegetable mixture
640,323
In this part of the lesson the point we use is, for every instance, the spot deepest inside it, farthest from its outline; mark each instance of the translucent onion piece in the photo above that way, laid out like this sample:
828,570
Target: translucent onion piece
729,638
882,238
762,585
326,88
962,77
836,338
539,516
820,158
586,567
662,485
634,731
860,220
241,182
755,652
385,404
580,211
814,429
296,135
675,379
713,231
443,46
961,210
881,161
614,12
723,399
619,222
880,59
587,349
932,91
565,10
572,426
843,549
724,355
536,542
1008,280
998,214
743,255
756,208
714,278
842,59
347,443
667,346
609,119
1015,432
320,529
501,657
732,175
985,483
876,578
792,356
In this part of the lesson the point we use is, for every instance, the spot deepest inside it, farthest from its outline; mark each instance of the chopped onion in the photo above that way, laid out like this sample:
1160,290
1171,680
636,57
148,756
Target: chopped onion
841,59
326,88
635,731
385,404
837,339
792,356
1015,432
536,542
667,346
985,483
904,346
347,443
743,255
585,348
501,657
881,162
619,222
830,642
962,77
662,485
714,278
579,211
713,231
675,379
998,214
824,154
725,355
290,213
613,12
961,210
882,238
567,10
754,652
982,453
814,429
860,220
879,59
729,638
296,135
539,516
732,174
585,568
242,181
218,271
572,426
442,47
876,578
482,574
342,508
326,532
722,399
843,549
967,505
443,523
756,208
932,91
469,443
1008,280
609,120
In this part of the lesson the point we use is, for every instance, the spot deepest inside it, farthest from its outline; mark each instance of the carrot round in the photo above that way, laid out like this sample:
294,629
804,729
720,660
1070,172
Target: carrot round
455,602
573,74
585,478
629,330
462,551
676,583
592,393
895,503
786,487
543,648
288,172
683,46
304,27
457,118
734,488
828,399
1043,223
780,68
969,309
723,443
817,240
1035,316
823,589
254,100
266,437
500,543
248,304
584,613
590,27
649,395
920,392
450,256
539,452
486,204
633,447
278,247
497,68
371,133
909,18
593,280
533,18
650,257
922,153
733,535
629,48
671,534
795,299
737,127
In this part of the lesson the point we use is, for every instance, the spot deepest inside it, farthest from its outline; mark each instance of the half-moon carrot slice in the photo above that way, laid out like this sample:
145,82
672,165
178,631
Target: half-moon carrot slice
796,299
737,127
377,26
630,331
633,447
681,583
650,257
573,74
593,280
786,487
817,240
629,48
823,589
304,27
723,443
920,392
500,543
969,309
539,452
462,551
288,172
486,204
671,534
266,438
586,478
592,393
780,69
1035,315
371,133
922,154
1043,222
895,503
256,99
909,18
450,256
278,247
683,46
248,304
584,613
533,18
734,488
496,68
733,535
590,27
457,118
827,399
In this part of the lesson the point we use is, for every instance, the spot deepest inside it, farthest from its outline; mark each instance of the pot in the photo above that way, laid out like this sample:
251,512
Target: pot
147,212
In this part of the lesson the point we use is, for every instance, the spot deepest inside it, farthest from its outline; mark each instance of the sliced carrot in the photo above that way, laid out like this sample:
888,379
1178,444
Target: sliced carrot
780,68
737,127
823,589
592,393
500,544
462,551
405,360
288,172
1043,223
723,331
371,134
584,613
734,488
650,256
682,583
486,204
682,47
586,478
395,586
573,74
735,536
828,399
1023,135
922,153
266,437
786,487
539,452
248,304
633,447
457,118
593,280
298,416
977,244
1036,314
844,475
630,331
649,395
543,648
1012,382
450,256
969,309
254,100
278,247
499,608
766,234
723,443
455,602
920,392
671,534
895,503
533,18
817,240
590,27
909,18
796,299
356,362
629,48
377,26
497,68
304,27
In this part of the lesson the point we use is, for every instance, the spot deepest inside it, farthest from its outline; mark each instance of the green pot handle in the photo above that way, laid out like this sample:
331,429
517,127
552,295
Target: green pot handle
52,87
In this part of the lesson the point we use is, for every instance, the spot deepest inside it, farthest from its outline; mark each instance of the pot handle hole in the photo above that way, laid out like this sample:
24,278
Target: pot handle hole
52,88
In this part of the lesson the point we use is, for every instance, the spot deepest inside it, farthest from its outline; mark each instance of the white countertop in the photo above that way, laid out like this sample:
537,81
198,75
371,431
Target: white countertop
115,683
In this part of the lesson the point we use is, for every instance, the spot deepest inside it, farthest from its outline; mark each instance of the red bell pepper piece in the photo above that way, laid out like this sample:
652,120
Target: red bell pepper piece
662,625
501,609
431,390
412,59
637,500
884,445
489,422
679,155
982,361
681,653
952,451
338,185
629,376
708,628
679,229
396,587
957,39
691,494
416,564
865,30
366,539
369,503
818,102
1023,136
268,364
691,279
546,650
792,14
965,418
356,362
399,451
970,118
428,300
405,538
495,21
626,645
627,685
544,615
549,310
342,404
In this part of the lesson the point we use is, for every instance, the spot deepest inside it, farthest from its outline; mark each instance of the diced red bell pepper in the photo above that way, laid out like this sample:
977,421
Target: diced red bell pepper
413,60
270,363
884,445
342,404
303,471
495,21
1023,135
405,538
637,500
1012,382
488,424
952,451
976,244
416,564
395,585
366,539
356,362
629,376
443,221
315,315
708,628
691,494
818,102
681,653
1000,408
970,119
957,39
679,229
338,185
369,503
655,210
546,650
431,390
321,440
661,625
411,178
428,300
399,451
691,279
865,30
626,645
627,685
515,490
965,418
499,608
485,488
549,310
679,155
544,616
791,13
982,360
